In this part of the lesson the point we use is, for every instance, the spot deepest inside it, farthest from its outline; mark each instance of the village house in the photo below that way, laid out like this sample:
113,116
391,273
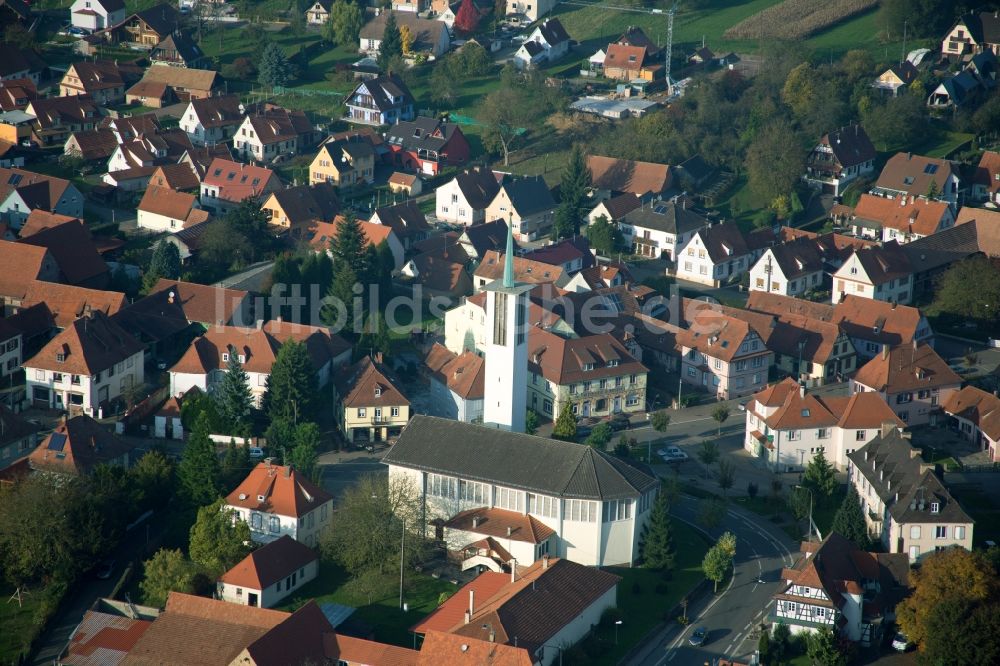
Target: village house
791,268
595,505
102,142
76,255
55,118
837,586
94,15
406,220
269,574
212,120
722,355
180,177
320,236
973,33
179,50
296,208
976,415
526,12
278,500
275,132
906,175
370,406
465,198
144,29
346,163
548,42
610,177
101,80
964,89
903,220
164,209
787,425
140,154
77,446
319,12
614,209
595,374
974,232
661,229
16,93
906,506
86,367
407,184
205,361
572,255
526,271
714,255
633,56
65,304
18,435
24,191
986,186
438,275
912,379
897,78
429,36
383,100
457,383
839,158
882,273
163,85
227,184
24,264
426,145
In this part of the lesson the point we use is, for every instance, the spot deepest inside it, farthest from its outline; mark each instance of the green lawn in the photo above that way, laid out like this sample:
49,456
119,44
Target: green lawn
19,625
421,593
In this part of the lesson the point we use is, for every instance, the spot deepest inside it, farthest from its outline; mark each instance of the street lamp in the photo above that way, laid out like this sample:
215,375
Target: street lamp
809,490
402,545
618,623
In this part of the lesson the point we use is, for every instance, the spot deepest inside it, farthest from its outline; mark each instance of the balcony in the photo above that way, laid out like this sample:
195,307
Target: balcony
384,420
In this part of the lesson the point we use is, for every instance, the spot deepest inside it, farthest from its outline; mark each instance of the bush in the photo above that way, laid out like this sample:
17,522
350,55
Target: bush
612,615
662,588
636,588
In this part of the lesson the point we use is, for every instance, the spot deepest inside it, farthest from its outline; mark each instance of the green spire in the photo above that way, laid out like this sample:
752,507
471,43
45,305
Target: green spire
508,260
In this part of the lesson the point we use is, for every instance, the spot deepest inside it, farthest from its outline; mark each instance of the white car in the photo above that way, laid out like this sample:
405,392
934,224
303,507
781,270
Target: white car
900,643
672,454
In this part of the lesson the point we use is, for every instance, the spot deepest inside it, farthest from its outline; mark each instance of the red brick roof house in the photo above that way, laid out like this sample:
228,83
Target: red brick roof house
457,382
77,446
986,186
903,220
369,402
611,177
426,145
227,184
977,414
269,574
71,245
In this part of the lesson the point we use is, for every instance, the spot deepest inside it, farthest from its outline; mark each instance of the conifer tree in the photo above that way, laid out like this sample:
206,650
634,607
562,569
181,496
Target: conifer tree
198,472
820,478
565,425
658,546
291,386
849,520
349,245
391,45
233,395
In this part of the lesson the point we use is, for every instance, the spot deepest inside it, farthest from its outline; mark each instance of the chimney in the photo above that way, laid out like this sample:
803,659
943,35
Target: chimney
914,344
885,352
887,428
472,603
545,562
915,453
513,570
510,531
468,617
288,471
802,390
475,522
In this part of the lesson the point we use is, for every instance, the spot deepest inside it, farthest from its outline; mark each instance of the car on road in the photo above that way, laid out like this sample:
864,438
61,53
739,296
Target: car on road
672,454
619,422
900,643
256,453
105,569
698,637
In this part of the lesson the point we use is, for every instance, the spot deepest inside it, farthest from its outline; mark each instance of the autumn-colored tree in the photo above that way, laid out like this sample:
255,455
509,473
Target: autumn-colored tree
407,38
467,18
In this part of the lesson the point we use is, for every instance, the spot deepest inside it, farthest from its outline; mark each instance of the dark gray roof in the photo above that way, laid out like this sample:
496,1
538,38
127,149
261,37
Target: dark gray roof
851,145
895,470
381,88
943,248
554,32
667,217
479,185
423,133
529,195
487,236
526,462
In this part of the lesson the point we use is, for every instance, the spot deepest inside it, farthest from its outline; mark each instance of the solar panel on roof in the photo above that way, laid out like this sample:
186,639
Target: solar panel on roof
662,210
14,179
57,442
931,168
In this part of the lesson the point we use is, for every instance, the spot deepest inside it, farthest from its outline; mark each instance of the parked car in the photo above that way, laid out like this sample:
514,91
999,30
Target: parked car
620,422
256,453
672,454
900,643
698,637
105,569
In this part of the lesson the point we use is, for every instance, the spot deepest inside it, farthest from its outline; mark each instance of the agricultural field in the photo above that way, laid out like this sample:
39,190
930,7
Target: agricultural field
797,19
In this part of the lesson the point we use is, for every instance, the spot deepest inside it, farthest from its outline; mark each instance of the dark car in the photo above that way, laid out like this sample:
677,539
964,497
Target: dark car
105,569
619,422
698,637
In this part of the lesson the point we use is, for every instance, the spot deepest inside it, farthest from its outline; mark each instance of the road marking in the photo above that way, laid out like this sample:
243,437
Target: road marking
672,655
747,627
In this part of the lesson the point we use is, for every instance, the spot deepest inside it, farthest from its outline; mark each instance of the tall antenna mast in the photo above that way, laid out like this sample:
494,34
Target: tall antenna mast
670,47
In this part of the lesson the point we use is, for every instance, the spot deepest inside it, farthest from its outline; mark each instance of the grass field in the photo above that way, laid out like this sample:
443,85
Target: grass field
19,625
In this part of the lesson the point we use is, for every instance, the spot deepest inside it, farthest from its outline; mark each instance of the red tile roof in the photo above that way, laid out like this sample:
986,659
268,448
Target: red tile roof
102,639
89,345
566,361
286,492
76,447
462,373
368,383
909,367
236,181
73,249
452,611
977,406
917,216
269,564
617,175
68,303
501,523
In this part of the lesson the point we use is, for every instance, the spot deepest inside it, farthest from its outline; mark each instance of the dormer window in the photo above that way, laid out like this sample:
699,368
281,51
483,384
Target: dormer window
588,366
613,363
225,357
805,413
243,359
378,391
60,358
935,507
260,498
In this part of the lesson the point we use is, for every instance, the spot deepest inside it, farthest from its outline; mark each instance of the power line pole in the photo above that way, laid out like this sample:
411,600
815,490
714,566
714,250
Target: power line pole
669,47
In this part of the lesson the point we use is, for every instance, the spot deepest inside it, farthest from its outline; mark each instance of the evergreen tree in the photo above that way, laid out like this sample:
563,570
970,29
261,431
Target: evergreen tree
306,450
604,236
386,265
850,520
531,422
565,425
573,186
217,541
280,436
349,245
198,472
391,45
235,464
291,387
780,643
822,649
565,221
658,546
341,293
233,396
820,478
345,23
165,263
274,68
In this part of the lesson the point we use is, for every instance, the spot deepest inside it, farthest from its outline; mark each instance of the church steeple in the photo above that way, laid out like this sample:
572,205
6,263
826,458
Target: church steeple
508,261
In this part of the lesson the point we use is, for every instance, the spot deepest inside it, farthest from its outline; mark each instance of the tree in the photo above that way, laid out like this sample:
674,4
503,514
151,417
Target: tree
274,68
306,450
719,415
658,544
235,464
764,647
660,421
780,643
563,222
950,575
165,263
712,511
18,36
897,121
752,489
850,520
165,572
574,184
774,162
197,403
604,236
726,475
291,386
820,477
365,533
600,435
719,559
151,480
348,247
964,633
799,91
339,310
531,422
709,452
198,473
391,45
504,115
218,540
467,18
345,22
923,18
233,395
799,502
821,647
970,289
565,425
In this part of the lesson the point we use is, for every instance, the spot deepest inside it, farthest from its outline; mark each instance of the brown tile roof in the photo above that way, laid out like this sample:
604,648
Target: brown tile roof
195,631
22,265
320,234
406,219
167,202
236,181
68,303
452,611
182,77
38,190
96,75
76,447
723,240
525,270
304,637
501,523
884,263
204,304
918,216
850,145
13,426
56,112
987,225
462,373
988,171
977,406
442,274
441,647
565,361
89,345
547,596
179,176
799,409
285,490
96,144
270,563
639,178
220,111
32,322
103,639
624,57
910,367
40,219
913,174
714,334
357,385
276,124
205,352
305,204
73,249
404,179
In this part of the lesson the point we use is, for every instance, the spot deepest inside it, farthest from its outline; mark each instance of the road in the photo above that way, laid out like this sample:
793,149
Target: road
731,616
252,279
